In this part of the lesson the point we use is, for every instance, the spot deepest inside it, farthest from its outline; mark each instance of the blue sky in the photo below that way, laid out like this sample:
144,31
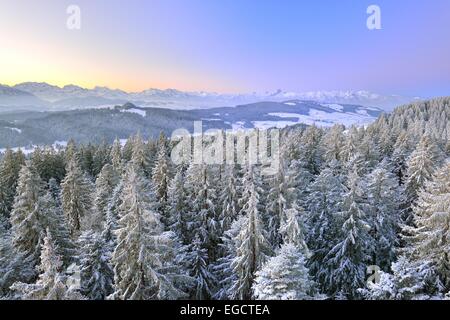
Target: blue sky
230,45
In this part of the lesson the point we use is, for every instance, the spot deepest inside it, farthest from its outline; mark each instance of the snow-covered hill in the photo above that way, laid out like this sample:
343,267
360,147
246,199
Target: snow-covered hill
106,123
291,112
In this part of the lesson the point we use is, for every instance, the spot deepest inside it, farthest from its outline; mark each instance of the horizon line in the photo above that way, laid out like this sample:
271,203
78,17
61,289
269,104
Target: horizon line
273,91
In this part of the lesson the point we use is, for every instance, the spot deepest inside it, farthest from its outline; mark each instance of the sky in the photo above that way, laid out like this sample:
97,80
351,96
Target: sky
229,45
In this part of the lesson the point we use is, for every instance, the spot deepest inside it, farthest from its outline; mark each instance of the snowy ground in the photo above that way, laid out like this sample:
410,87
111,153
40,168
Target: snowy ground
29,149
140,112
317,117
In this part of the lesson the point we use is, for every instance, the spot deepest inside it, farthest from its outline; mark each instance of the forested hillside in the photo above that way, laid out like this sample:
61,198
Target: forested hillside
27,129
101,221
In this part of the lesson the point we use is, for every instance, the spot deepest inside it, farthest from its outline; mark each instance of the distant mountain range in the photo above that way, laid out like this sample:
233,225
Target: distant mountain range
21,129
43,96
12,98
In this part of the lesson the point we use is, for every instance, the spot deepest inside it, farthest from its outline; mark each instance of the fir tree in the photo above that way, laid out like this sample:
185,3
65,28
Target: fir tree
405,283
106,181
97,276
228,198
333,144
139,156
429,240
116,156
421,166
284,277
199,270
383,208
253,247
9,174
178,206
348,259
323,202
351,144
51,283
26,218
54,220
71,152
161,178
55,191
112,215
277,204
292,228
101,157
143,260
202,219
34,211
223,268
77,201
400,156
309,149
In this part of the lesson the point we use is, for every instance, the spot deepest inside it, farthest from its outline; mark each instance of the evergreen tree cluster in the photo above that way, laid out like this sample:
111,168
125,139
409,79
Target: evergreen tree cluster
123,222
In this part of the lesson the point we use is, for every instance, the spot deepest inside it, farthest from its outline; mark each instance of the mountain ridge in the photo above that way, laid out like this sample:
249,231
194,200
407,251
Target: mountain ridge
72,96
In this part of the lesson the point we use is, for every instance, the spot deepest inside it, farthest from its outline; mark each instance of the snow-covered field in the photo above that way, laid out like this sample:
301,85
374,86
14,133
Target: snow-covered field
334,106
14,129
30,149
140,112
316,117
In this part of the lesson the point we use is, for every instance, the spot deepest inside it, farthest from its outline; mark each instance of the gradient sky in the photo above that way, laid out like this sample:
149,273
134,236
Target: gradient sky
229,45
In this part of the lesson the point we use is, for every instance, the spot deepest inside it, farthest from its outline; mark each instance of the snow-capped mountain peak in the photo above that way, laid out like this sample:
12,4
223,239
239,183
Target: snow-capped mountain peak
71,96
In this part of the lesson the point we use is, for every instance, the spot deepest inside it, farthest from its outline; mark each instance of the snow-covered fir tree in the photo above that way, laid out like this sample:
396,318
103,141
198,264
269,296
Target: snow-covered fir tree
322,204
177,206
421,166
54,220
348,259
429,240
351,143
101,157
278,201
253,248
404,283
116,156
400,156
10,166
332,144
298,180
228,198
143,259
51,284
77,197
309,149
55,191
202,215
71,152
106,181
160,178
383,214
223,268
292,229
97,275
198,268
6,255
139,155
285,277
112,215
25,215
27,226
34,211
